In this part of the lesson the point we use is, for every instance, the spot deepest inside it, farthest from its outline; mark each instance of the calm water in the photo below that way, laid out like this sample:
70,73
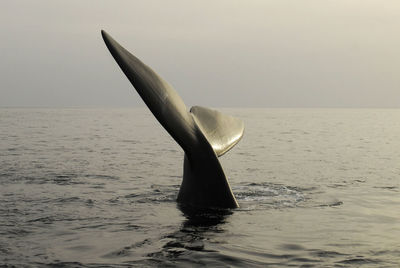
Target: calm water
90,187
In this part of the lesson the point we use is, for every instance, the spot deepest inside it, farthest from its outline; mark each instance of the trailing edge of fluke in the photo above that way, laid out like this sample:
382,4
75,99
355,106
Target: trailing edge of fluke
204,134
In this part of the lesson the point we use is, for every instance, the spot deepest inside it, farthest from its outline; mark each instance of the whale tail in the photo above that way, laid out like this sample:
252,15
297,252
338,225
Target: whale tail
203,133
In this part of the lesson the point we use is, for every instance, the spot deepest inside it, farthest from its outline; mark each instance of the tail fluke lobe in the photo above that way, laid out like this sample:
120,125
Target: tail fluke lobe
162,100
222,131
204,134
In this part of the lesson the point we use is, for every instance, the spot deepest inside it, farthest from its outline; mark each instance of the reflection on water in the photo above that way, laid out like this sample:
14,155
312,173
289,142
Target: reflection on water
198,226
203,217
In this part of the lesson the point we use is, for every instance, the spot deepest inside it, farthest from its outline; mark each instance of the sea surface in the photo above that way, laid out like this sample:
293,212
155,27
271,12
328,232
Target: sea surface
98,187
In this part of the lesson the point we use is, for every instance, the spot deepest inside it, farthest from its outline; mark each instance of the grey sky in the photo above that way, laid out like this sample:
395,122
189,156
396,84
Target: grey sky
279,53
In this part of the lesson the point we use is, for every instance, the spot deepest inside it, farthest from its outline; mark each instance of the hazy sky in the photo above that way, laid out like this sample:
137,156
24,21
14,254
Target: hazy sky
279,53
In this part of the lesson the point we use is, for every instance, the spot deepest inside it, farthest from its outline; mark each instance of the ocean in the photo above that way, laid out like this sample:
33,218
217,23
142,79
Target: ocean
97,188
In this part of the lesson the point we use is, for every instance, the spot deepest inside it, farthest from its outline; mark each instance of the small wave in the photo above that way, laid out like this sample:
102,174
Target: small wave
129,141
326,254
46,220
128,250
359,261
65,179
333,204
390,188
16,232
101,176
268,194
157,194
71,199
62,264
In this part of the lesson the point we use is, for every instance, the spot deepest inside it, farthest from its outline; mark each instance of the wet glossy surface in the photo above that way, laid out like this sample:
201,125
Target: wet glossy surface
203,134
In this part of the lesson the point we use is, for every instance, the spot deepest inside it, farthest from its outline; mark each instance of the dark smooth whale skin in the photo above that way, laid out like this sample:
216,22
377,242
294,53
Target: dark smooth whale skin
204,134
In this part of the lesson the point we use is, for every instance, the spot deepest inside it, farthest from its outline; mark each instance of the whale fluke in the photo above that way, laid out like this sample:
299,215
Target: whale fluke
221,131
203,133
